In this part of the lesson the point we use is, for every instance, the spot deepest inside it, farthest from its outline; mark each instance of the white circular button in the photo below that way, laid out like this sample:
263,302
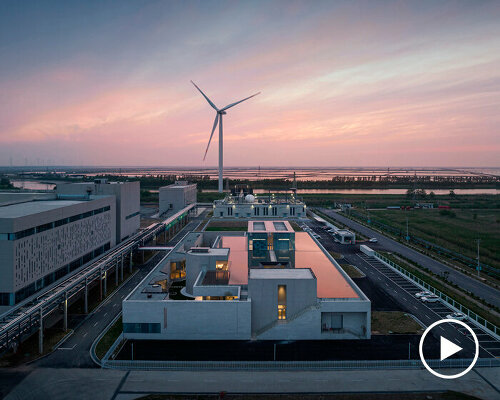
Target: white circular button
448,348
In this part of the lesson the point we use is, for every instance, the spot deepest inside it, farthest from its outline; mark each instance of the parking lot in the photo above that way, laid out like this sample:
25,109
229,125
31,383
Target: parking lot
402,290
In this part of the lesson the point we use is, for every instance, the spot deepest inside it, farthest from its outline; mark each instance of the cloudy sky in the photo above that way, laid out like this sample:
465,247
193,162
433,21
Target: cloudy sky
375,83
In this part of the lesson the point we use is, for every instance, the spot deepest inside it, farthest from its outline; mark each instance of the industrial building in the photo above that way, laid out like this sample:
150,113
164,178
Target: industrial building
342,236
127,201
268,283
175,197
44,237
244,204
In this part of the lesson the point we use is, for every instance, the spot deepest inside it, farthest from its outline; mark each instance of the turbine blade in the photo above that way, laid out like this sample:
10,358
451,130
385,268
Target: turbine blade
211,135
206,98
238,102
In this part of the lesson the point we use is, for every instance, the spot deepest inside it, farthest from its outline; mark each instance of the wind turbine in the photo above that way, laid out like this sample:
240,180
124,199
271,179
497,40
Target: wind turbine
218,120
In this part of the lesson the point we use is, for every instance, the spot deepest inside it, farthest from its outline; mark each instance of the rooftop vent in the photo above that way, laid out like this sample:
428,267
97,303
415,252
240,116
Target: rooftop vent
259,226
280,226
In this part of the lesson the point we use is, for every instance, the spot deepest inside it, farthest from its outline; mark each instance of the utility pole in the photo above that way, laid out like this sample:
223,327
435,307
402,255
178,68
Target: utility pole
407,230
478,264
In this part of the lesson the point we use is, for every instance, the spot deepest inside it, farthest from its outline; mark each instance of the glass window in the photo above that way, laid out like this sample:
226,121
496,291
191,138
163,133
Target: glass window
281,301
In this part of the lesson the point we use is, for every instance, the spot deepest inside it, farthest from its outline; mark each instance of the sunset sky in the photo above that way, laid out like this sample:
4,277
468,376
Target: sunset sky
375,83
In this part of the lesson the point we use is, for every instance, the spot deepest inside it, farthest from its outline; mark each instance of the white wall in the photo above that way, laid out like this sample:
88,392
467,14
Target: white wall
191,319
245,210
300,294
26,260
307,326
127,198
129,203
174,198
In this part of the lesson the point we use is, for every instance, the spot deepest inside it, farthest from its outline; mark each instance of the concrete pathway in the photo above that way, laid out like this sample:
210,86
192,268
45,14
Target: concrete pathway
96,384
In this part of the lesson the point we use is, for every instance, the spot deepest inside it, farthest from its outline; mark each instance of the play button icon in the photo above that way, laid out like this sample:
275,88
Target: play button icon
448,348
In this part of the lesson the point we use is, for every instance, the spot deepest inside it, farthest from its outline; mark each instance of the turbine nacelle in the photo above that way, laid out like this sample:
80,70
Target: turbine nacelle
221,112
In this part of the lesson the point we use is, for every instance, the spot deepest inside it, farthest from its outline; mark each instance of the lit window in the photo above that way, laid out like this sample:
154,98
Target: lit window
282,302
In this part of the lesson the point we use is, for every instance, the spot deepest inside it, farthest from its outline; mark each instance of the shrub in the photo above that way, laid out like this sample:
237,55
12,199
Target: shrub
448,213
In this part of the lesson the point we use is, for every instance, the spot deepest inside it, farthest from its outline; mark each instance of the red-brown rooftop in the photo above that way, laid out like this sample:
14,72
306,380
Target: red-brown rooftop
330,281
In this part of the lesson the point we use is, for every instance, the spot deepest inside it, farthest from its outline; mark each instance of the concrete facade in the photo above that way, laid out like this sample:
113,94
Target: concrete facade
190,319
260,208
127,199
44,240
226,298
175,197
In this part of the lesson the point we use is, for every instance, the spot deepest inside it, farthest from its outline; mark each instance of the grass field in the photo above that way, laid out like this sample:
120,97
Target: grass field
352,271
227,226
476,201
385,322
457,232
238,226
109,338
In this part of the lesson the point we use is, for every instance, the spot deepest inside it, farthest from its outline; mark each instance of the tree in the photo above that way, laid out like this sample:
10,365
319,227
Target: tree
452,193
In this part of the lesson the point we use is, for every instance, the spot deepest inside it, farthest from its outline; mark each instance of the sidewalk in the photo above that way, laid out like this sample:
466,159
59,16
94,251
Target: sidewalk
96,384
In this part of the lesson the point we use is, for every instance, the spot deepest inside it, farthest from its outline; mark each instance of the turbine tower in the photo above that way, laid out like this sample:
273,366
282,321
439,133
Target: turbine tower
218,120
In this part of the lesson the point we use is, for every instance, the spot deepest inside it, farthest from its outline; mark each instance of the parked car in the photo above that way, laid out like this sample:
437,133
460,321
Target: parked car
457,315
430,299
422,294
373,240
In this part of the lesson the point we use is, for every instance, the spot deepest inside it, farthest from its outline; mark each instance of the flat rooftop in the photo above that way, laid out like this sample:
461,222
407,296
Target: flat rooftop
178,186
34,207
281,273
238,259
269,226
331,283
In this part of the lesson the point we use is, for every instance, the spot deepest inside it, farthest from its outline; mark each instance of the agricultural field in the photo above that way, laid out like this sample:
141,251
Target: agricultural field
455,229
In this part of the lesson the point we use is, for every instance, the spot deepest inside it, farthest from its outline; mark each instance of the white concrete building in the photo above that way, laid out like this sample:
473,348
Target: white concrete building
175,197
264,206
269,283
127,199
44,238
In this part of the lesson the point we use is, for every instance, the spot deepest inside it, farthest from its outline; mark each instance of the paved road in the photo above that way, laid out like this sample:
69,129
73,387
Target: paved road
55,384
74,352
488,293
400,291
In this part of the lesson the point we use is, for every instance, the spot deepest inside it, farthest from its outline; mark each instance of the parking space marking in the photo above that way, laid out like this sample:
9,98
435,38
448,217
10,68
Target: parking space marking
438,309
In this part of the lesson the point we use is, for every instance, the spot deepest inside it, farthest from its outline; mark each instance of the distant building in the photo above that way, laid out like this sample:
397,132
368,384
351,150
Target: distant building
127,200
265,206
343,206
43,238
344,236
424,205
269,283
175,197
